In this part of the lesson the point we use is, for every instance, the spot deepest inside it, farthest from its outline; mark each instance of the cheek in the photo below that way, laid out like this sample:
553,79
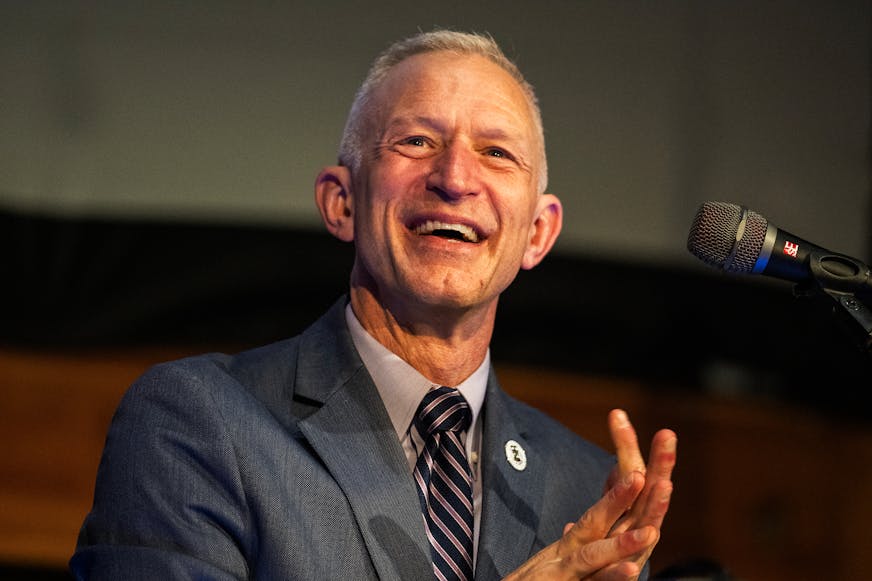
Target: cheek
518,215
394,170
377,226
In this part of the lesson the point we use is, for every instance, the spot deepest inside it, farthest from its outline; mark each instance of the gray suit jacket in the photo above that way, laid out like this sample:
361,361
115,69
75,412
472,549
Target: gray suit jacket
282,463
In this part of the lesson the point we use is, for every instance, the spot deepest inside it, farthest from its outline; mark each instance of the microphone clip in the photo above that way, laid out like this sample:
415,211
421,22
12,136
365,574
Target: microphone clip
845,283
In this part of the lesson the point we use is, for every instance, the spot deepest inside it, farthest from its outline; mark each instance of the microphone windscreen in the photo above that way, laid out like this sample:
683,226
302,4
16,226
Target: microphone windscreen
716,239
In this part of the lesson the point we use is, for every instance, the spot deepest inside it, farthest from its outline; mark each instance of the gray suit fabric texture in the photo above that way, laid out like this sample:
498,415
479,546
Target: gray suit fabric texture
282,463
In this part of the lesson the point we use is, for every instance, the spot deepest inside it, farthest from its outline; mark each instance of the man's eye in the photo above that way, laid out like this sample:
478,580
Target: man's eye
414,146
497,152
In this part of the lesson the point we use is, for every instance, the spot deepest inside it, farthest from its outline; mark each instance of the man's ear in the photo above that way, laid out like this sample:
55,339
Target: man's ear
333,197
544,230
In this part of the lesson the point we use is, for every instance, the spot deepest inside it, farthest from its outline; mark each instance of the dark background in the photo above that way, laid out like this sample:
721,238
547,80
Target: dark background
100,284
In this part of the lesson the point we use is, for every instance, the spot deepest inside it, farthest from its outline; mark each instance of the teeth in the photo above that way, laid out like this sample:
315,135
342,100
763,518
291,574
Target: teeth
431,226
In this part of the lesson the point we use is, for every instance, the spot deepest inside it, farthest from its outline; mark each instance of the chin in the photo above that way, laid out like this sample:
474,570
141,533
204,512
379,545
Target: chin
458,286
454,299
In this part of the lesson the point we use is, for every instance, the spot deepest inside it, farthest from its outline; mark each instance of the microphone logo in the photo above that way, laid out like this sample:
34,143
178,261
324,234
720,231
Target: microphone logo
790,249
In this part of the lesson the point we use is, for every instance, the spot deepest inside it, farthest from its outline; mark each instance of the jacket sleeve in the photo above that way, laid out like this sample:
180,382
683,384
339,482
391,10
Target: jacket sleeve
169,501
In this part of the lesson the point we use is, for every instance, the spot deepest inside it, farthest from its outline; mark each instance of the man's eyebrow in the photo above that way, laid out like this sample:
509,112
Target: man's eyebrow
414,121
492,132
501,134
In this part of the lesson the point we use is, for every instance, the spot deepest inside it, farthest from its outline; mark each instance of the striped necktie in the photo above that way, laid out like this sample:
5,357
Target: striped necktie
445,482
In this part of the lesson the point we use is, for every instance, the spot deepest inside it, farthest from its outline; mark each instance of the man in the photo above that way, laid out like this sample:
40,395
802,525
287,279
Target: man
312,458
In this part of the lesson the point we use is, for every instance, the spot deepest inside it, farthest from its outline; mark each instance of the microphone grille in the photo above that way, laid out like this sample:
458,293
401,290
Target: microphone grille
712,236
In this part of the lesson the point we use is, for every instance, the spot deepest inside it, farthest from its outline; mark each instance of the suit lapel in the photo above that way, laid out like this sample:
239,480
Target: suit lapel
353,435
511,498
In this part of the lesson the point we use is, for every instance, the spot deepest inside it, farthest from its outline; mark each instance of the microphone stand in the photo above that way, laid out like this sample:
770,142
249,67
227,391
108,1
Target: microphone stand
839,280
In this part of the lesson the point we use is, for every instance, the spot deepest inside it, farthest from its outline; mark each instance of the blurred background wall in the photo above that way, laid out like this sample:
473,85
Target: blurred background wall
218,111
157,162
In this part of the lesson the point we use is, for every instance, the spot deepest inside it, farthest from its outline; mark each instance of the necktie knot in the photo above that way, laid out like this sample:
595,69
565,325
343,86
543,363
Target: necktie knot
443,409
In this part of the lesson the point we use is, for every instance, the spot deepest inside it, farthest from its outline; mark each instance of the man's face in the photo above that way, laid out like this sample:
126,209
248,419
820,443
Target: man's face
445,201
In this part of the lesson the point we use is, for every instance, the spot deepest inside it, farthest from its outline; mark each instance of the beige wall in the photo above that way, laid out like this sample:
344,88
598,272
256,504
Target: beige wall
224,111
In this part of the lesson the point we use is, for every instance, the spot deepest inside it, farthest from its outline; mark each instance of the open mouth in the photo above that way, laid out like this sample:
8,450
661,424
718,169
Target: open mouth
451,231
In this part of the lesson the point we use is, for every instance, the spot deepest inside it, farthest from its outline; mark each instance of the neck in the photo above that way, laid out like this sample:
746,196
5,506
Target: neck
445,345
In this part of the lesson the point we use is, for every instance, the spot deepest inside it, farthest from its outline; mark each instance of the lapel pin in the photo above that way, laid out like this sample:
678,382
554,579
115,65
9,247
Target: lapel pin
516,456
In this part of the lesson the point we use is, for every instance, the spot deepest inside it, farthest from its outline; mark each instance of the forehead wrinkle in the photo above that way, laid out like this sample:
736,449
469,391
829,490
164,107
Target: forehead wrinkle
407,92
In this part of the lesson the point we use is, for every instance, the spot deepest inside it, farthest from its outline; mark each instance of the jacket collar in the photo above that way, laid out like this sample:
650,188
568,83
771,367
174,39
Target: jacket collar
354,437
353,434
512,496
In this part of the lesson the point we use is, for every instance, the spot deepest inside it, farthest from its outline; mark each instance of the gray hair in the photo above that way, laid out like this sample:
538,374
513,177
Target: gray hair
462,43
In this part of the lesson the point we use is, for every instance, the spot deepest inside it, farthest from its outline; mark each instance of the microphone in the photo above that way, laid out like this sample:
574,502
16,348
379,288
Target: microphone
738,240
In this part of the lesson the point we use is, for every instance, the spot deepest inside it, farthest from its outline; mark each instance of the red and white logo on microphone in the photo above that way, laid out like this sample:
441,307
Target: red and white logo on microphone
790,249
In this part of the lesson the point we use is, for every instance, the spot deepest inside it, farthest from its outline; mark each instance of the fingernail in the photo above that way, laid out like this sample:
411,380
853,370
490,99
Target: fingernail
621,417
641,535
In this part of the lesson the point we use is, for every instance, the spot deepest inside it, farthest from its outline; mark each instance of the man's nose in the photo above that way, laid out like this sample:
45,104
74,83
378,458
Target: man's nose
456,172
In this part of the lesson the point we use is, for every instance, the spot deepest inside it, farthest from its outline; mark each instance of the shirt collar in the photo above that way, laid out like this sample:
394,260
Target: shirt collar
401,386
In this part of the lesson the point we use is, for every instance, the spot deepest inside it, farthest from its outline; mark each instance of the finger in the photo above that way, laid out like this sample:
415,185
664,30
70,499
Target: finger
613,559
614,556
623,571
649,511
626,443
614,478
660,466
600,518
652,503
656,505
663,455
562,560
571,557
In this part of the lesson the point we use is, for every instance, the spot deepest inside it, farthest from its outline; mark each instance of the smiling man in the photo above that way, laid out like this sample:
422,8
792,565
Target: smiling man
378,444
443,206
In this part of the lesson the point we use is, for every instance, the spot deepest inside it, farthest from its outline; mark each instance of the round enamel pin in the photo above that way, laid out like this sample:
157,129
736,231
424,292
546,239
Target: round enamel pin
515,455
